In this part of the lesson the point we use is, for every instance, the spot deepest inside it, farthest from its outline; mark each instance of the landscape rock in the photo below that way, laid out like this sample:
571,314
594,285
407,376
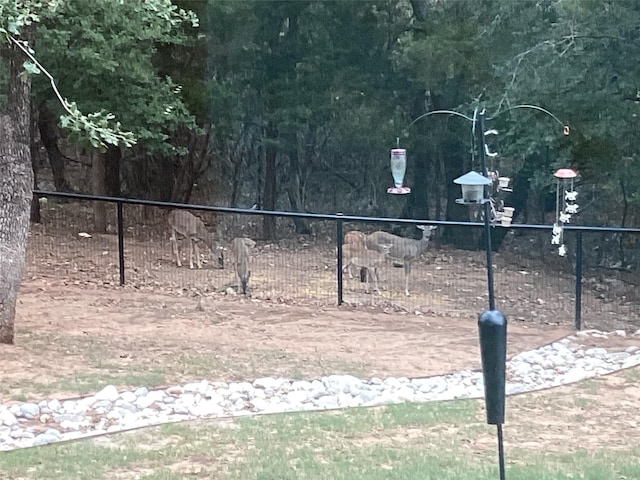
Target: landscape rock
561,362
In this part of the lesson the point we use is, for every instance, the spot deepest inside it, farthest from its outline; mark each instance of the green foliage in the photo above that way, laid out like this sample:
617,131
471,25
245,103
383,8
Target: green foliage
578,59
97,129
103,50
17,14
342,80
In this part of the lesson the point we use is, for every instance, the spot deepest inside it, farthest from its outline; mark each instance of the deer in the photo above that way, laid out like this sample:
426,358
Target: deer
354,237
368,259
352,240
403,249
240,249
191,227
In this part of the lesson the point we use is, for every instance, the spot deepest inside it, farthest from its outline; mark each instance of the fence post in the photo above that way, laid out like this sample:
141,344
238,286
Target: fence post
578,316
339,253
120,243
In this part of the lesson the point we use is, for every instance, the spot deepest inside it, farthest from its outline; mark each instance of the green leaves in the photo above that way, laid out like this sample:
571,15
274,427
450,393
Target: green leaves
103,52
15,14
97,130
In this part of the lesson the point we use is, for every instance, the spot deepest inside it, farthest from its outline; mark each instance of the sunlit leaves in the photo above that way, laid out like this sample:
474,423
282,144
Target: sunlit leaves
98,129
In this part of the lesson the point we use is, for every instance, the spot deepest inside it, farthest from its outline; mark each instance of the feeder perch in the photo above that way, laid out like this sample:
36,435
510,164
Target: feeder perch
503,182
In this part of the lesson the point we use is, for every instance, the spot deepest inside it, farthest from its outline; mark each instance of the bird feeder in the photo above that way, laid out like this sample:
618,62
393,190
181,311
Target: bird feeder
398,169
473,187
566,206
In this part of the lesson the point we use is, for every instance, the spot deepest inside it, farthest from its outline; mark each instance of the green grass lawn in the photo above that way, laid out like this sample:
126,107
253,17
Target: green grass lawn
439,441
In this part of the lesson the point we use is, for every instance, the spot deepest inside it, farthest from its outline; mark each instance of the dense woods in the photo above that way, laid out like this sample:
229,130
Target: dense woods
294,105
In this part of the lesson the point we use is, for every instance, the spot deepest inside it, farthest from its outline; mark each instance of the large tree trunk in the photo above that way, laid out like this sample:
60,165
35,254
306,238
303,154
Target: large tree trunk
16,183
270,173
293,191
192,165
35,203
98,188
49,137
112,158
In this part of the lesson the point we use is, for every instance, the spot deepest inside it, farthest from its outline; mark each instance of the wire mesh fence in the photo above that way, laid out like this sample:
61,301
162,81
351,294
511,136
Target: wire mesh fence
531,282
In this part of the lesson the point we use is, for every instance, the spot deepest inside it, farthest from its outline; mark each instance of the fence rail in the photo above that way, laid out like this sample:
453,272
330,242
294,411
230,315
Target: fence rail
339,220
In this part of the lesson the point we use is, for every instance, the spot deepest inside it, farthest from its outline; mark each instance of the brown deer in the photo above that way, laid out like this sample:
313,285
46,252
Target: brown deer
354,237
240,249
352,240
369,259
403,249
191,227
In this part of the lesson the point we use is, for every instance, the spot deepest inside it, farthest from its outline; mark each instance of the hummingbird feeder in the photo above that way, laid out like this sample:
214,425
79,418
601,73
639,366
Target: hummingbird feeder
398,169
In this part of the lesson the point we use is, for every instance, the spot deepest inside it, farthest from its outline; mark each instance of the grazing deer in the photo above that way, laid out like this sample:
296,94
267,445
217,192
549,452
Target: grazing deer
240,248
404,249
191,227
369,259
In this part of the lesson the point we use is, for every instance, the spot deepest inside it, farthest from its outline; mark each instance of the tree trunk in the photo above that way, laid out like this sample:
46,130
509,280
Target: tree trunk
293,192
49,136
98,188
16,183
192,165
34,214
112,158
269,222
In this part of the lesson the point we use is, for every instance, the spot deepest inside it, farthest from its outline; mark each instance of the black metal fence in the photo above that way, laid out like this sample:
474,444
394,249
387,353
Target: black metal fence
531,282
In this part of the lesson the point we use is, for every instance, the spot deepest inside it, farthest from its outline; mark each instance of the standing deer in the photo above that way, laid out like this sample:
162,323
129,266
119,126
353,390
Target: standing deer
368,259
240,248
191,227
404,249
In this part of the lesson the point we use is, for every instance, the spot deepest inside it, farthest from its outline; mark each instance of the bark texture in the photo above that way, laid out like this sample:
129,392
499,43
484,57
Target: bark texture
49,137
270,176
16,183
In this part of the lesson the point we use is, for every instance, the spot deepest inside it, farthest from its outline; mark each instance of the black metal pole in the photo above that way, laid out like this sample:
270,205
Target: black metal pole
120,243
500,452
339,253
487,231
578,317
487,213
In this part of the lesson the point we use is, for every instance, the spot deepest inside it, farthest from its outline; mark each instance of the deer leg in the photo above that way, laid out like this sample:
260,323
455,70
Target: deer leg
190,240
220,258
197,251
407,273
366,284
174,248
346,267
375,279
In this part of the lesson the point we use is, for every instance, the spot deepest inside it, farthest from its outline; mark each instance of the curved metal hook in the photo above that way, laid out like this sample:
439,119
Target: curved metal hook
434,112
533,107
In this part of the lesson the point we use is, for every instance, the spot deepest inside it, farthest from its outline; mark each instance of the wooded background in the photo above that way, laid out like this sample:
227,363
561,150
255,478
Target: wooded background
294,105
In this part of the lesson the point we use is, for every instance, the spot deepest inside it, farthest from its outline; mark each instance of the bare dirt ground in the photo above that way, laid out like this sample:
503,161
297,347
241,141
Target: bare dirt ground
78,330
170,324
